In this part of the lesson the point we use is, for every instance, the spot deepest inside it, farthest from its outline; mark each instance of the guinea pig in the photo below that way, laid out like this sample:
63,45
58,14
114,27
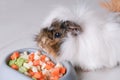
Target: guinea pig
83,36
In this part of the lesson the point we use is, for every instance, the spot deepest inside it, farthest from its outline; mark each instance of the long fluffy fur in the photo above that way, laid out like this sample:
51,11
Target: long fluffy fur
98,45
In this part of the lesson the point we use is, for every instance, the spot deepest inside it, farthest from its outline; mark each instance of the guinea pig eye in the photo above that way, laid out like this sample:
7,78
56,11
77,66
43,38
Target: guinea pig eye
57,35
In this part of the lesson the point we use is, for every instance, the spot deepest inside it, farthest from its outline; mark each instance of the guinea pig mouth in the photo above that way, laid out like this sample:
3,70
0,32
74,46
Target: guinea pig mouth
53,50
43,49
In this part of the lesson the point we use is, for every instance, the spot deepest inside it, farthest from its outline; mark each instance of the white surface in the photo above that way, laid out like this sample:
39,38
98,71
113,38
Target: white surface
19,22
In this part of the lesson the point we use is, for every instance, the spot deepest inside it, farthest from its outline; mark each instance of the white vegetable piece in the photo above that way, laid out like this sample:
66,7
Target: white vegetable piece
36,57
26,65
24,55
26,73
59,65
34,69
38,67
41,63
45,71
47,59
30,63
43,66
38,53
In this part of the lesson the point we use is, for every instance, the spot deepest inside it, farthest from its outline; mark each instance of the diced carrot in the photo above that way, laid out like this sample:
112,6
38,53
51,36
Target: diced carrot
15,55
36,62
31,57
38,75
42,58
54,78
55,72
31,73
49,65
42,77
14,66
62,70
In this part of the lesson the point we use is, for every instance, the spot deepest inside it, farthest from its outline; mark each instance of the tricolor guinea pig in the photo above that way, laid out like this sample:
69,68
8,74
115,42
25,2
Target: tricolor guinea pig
82,36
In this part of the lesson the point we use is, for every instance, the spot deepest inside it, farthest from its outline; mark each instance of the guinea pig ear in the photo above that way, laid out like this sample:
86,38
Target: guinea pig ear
72,27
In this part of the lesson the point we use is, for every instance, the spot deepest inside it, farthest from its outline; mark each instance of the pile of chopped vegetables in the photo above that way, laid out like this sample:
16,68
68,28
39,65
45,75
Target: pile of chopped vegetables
36,65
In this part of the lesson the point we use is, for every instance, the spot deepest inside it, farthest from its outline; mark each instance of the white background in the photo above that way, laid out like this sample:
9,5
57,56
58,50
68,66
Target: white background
19,23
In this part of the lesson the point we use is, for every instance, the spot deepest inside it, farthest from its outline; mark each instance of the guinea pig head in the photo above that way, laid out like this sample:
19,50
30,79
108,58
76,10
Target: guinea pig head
50,38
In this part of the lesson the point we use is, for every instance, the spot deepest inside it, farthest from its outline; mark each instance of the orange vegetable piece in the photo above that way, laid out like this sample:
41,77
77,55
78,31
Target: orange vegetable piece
55,72
15,55
49,65
36,62
31,57
31,73
42,58
62,70
42,78
54,78
38,75
14,66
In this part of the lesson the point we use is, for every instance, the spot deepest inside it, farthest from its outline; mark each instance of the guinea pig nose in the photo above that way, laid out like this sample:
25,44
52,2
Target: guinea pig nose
57,35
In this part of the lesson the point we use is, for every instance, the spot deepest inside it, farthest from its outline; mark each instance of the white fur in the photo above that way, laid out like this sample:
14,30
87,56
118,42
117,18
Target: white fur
98,45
